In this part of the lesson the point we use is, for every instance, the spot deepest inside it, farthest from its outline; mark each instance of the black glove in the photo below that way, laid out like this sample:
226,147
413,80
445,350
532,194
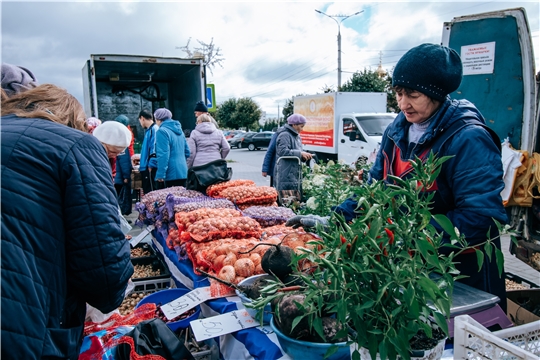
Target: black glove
307,221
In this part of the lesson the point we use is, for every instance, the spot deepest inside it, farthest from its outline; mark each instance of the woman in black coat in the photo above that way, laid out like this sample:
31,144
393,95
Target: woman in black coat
62,246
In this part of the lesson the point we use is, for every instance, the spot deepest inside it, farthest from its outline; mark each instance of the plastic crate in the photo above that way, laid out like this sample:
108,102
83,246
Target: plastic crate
519,280
144,246
152,285
156,264
473,341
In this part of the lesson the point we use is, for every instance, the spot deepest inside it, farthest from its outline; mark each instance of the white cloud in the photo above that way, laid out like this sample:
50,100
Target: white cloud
272,50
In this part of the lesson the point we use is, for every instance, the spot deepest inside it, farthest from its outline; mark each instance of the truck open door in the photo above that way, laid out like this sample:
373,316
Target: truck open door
499,78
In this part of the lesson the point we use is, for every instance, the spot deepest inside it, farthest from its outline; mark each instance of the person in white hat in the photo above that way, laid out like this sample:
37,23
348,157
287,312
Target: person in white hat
115,138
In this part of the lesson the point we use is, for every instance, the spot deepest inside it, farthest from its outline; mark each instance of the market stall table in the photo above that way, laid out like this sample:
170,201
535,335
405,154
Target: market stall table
258,343
262,343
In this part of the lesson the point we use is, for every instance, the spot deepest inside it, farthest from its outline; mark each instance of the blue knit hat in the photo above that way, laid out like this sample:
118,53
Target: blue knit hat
162,114
296,119
431,69
199,106
122,119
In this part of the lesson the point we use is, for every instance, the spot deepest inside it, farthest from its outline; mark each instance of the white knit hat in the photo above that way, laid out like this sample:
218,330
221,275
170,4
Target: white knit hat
113,133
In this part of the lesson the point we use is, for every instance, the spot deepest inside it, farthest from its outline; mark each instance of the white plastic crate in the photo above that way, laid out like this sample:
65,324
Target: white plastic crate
473,341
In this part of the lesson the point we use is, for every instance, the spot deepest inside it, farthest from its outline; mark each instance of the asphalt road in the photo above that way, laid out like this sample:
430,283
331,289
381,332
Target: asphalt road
248,165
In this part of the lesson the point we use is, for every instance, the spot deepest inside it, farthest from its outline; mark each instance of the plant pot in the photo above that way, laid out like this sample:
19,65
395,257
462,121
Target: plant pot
431,354
245,300
298,349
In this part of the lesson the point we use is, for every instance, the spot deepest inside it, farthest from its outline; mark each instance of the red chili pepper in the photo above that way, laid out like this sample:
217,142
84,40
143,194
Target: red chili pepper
348,249
385,253
390,234
411,253
378,258
390,221
343,240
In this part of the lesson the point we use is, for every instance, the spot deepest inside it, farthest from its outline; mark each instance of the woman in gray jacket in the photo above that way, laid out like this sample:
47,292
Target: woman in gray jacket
206,143
289,143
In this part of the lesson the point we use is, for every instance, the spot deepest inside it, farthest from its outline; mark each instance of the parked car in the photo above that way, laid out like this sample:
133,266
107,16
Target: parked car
257,141
235,141
232,133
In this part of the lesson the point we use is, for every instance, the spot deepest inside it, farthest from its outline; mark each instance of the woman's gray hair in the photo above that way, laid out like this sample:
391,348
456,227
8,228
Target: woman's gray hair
205,118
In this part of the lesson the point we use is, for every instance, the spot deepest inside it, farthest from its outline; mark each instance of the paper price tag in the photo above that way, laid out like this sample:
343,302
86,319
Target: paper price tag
137,239
208,328
186,302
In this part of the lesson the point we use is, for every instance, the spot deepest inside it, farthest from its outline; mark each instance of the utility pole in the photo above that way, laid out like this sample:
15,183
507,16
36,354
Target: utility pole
343,18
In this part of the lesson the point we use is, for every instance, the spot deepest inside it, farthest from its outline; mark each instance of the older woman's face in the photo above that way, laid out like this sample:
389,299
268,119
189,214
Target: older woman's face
114,151
298,127
416,107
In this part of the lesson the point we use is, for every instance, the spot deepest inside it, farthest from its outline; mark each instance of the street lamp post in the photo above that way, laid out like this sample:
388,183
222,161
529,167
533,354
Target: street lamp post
343,18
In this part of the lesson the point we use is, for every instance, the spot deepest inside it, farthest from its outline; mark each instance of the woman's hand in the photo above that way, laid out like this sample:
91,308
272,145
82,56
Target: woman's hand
264,174
306,156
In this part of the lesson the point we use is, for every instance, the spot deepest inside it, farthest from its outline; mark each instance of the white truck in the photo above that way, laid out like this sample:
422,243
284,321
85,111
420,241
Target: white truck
343,126
126,84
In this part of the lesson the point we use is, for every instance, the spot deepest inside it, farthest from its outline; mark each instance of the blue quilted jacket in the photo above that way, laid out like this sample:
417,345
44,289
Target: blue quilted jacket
172,151
62,245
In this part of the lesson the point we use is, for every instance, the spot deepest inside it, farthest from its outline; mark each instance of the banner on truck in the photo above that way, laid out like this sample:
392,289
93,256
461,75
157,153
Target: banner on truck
319,112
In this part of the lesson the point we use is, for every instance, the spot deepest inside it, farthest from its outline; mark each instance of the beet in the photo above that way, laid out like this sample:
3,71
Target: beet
288,311
277,261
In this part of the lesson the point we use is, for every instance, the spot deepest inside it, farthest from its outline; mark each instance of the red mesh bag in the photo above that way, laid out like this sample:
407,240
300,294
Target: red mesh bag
212,256
184,220
217,228
216,189
252,195
143,312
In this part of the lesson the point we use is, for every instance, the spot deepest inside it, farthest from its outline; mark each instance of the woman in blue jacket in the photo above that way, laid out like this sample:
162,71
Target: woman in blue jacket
172,151
468,187
62,245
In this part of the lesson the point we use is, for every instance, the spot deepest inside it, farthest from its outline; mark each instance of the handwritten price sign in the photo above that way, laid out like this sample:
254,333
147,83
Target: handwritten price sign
186,302
208,328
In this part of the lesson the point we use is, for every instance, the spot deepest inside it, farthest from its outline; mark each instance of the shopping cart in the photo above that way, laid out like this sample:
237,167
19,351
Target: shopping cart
288,179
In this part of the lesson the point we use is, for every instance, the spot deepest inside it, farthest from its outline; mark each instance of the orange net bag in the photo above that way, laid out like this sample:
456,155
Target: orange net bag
217,228
184,220
252,195
214,255
216,189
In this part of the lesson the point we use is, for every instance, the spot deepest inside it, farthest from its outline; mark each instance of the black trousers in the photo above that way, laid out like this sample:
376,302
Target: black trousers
148,182
123,192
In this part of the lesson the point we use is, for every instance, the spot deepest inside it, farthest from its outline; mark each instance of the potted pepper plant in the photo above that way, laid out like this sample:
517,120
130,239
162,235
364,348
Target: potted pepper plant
379,279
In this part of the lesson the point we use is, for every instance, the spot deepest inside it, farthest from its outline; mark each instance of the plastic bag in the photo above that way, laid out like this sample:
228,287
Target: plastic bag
124,225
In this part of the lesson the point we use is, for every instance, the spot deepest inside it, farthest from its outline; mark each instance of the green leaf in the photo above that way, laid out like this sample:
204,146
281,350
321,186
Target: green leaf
500,260
441,321
317,325
331,351
479,258
447,225
514,240
296,321
367,305
488,249
356,355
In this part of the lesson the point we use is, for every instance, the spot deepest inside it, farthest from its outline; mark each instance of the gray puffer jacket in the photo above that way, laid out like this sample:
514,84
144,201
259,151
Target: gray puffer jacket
287,171
206,144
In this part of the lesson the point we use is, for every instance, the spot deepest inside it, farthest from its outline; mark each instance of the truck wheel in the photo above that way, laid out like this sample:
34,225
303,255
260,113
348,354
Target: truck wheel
251,147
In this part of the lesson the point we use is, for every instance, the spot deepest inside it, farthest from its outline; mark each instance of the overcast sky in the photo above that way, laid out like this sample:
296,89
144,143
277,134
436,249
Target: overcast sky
272,50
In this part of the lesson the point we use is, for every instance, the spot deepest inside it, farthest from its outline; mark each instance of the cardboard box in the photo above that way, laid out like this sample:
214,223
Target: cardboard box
518,301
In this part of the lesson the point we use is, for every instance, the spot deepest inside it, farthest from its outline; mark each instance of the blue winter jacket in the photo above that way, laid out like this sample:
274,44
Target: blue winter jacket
123,168
269,161
148,149
469,184
62,245
172,151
